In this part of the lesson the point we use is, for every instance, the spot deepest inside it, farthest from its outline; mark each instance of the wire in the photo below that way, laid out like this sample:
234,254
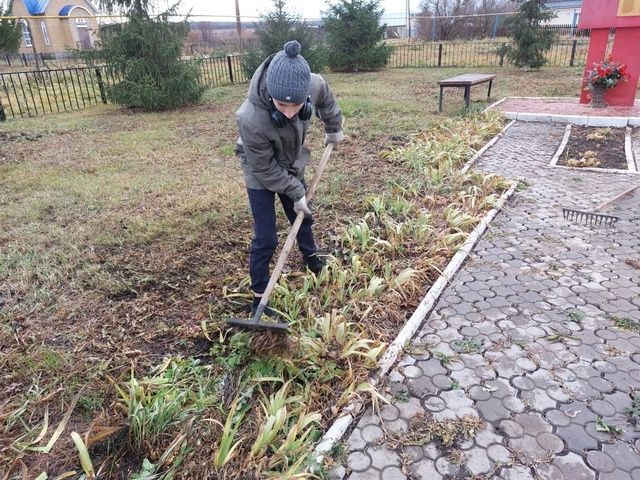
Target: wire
248,17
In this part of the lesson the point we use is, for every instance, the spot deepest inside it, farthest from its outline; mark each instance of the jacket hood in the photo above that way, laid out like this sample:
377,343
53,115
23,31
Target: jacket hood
258,94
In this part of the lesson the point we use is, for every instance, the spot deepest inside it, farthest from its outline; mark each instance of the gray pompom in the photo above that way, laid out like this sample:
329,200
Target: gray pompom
292,48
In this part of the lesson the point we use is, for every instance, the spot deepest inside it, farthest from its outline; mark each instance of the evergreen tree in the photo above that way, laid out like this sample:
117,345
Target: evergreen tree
143,56
354,36
276,28
530,40
10,32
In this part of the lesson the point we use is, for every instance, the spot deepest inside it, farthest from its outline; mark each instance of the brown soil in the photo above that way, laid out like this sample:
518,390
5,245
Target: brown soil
596,148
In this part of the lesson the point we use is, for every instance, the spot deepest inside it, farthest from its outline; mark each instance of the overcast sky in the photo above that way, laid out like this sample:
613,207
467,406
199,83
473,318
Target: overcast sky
305,8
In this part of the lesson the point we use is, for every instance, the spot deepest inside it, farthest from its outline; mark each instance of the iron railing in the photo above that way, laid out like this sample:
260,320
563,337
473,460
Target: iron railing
31,93
564,53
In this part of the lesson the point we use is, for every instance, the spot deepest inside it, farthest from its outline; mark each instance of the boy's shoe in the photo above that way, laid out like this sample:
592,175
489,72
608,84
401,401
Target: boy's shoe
268,311
314,263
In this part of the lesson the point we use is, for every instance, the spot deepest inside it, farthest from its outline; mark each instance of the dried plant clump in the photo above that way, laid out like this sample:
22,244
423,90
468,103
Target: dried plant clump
424,429
589,159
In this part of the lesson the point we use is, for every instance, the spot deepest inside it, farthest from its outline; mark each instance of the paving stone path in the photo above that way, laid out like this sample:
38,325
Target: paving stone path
528,337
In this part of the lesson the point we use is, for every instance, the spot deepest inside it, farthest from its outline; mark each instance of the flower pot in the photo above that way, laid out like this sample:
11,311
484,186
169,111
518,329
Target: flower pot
597,96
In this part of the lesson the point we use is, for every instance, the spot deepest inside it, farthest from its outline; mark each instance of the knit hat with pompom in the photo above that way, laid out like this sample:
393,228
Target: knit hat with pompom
289,75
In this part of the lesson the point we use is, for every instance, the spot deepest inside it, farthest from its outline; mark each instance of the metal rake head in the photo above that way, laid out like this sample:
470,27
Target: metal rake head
589,218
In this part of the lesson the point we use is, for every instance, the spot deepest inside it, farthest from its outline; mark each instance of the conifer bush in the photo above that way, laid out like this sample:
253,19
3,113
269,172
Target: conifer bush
354,36
276,28
530,40
10,31
143,56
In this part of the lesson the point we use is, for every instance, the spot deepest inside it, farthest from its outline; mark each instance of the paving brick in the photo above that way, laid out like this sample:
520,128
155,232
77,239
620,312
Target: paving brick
477,461
576,439
372,433
390,412
550,442
601,461
573,467
359,461
550,472
382,457
615,475
526,275
498,454
371,474
445,468
355,441
392,473
517,473
424,470
626,457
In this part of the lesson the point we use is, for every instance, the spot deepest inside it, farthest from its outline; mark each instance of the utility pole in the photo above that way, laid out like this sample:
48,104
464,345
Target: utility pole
238,24
408,21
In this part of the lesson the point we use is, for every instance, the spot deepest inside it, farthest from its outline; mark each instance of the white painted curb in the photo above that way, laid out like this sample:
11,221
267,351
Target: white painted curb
495,104
587,120
596,170
479,153
350,412
563,144
628,151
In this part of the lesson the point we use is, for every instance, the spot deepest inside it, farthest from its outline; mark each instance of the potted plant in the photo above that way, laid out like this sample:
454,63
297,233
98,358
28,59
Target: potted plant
602,76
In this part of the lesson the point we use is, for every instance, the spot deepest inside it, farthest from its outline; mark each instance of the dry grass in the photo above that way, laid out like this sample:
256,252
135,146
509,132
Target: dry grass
124,243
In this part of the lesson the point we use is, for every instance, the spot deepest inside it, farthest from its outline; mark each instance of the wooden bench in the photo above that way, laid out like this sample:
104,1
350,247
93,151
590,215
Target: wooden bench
466,81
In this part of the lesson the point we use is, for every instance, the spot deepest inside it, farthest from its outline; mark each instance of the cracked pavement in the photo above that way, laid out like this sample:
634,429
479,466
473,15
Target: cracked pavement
537,335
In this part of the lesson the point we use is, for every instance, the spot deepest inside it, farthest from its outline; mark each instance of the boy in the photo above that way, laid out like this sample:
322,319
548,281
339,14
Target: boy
273,123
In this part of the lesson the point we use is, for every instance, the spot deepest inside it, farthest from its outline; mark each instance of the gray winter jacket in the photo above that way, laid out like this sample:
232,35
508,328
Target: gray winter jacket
274,158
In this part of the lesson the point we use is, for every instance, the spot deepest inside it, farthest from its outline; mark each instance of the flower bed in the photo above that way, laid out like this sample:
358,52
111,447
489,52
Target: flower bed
595,148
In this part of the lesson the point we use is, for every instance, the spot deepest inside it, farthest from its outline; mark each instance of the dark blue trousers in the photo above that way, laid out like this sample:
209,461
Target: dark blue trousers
265,238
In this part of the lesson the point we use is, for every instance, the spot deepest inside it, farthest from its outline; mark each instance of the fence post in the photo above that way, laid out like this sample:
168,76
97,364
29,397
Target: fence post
573,52
502,49
230,68
101,86
439,55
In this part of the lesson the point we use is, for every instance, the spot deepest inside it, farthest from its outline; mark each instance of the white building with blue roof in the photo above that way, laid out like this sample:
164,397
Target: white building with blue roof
74,25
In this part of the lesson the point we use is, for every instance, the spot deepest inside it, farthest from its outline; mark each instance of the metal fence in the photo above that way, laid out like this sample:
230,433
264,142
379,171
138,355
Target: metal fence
53,60
31,93
564,53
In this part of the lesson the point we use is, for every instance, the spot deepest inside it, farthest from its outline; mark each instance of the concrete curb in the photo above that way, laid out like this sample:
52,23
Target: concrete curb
628,151
563,145
596,170
490,144
495,104
349,413
584,120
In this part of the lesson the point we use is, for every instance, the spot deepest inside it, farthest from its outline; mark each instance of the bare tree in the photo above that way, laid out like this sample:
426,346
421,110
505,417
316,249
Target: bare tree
446,17
486,8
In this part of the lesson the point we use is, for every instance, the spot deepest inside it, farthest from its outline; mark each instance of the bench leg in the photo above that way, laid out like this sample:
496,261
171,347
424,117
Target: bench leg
467,96
440,105
489,92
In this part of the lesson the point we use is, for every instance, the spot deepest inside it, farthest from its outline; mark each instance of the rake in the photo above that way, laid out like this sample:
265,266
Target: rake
593,218
256,323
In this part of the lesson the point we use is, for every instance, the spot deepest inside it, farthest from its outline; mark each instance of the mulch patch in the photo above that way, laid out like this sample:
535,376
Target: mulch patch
596,148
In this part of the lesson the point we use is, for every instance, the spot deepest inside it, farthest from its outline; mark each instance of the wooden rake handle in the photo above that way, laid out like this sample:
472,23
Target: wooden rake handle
288,244
620,195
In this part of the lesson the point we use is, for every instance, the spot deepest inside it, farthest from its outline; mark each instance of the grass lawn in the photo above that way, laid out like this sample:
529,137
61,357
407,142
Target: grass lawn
124,240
